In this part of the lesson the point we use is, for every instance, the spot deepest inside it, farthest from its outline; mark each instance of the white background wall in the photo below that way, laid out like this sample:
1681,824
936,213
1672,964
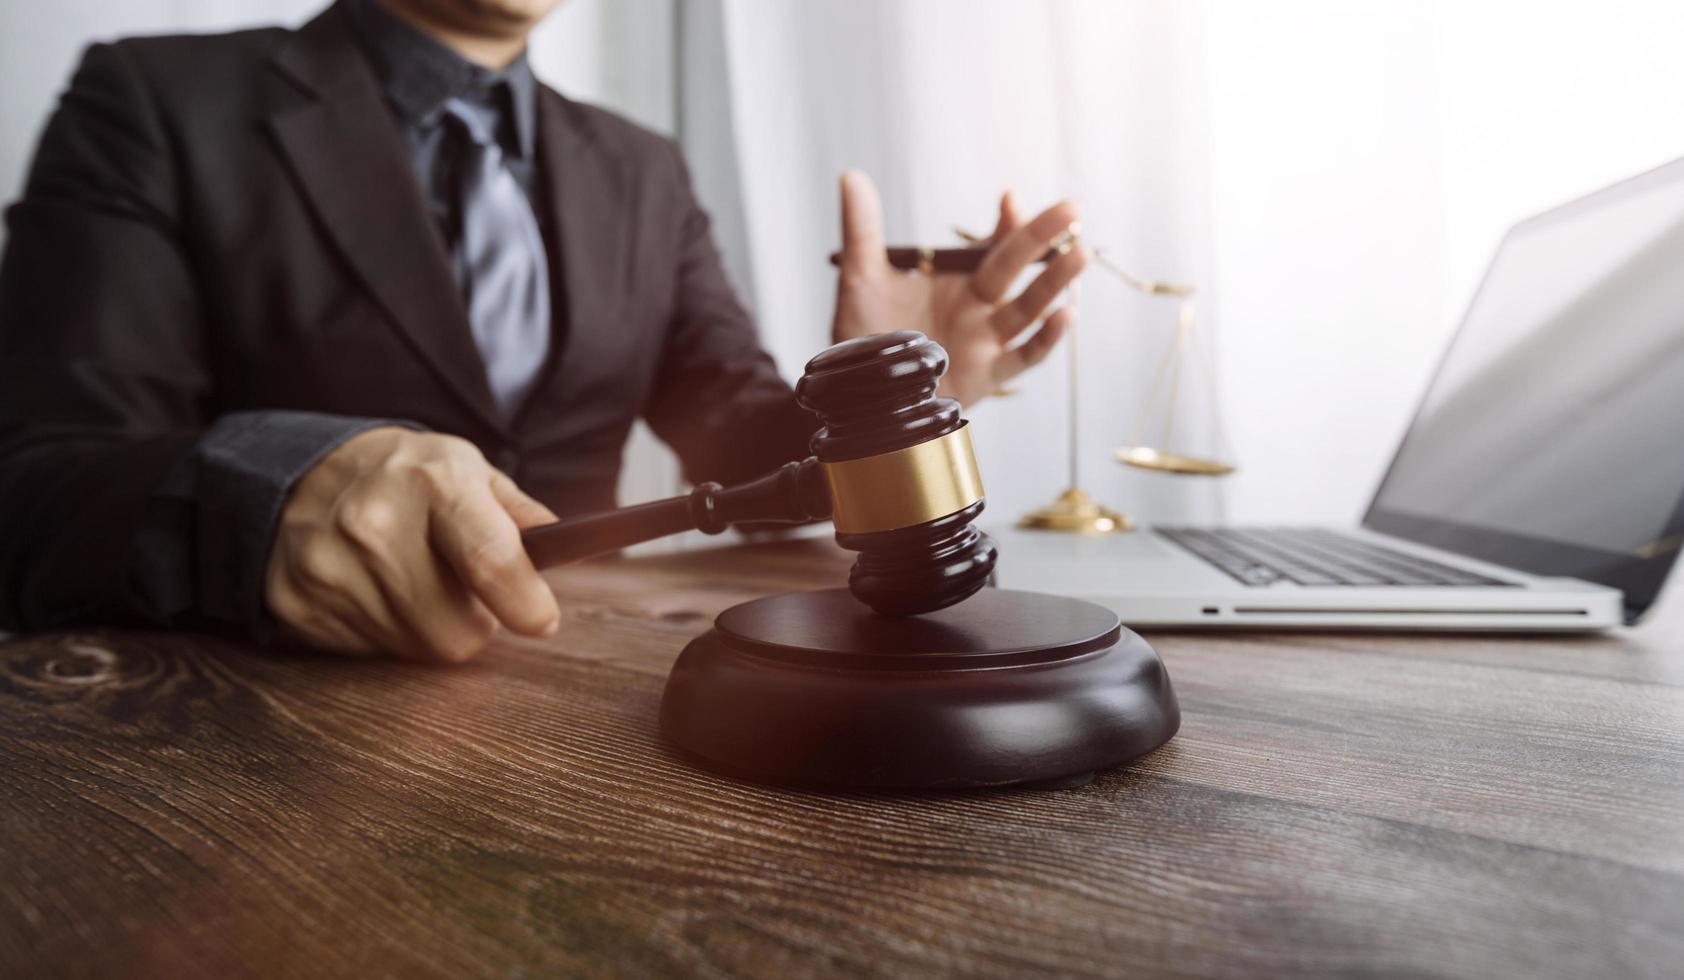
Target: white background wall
1368,155
1352,163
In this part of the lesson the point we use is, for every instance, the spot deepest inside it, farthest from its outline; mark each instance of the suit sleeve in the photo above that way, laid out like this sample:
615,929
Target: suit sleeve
718,399
120,501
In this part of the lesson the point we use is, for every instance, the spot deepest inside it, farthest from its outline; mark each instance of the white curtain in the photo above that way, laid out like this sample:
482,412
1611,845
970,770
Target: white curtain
947,103
1332,174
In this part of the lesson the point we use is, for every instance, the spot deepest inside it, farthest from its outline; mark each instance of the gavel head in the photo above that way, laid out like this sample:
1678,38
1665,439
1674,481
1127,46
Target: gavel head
903,479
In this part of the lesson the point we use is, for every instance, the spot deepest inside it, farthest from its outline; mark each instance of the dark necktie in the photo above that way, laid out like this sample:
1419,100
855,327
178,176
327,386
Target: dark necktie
499,255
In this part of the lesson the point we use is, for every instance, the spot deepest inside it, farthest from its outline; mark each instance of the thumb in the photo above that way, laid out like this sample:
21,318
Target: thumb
862,223
526,511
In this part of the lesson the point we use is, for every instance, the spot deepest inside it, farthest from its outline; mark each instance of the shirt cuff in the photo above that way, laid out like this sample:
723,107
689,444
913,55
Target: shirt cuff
247,464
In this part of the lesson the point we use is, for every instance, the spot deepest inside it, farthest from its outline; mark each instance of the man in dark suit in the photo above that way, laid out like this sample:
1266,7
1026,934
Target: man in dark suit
288,319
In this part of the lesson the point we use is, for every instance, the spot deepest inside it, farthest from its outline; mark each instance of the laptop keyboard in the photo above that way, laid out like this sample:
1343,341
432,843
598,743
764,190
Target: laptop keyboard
1315,556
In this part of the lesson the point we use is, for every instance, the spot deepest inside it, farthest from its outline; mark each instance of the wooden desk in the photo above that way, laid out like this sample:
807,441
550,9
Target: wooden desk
1334,804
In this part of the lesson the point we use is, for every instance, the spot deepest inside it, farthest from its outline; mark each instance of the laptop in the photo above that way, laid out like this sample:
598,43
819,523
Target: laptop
1540,486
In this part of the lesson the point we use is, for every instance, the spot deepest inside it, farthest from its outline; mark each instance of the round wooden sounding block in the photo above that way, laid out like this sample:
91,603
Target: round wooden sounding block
1006,687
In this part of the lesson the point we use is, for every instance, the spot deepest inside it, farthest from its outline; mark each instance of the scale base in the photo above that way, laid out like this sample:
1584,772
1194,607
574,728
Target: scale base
1076,511
1004,688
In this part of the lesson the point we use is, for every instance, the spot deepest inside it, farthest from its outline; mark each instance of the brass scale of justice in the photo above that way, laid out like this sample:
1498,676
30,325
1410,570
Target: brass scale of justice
919,674
1075,510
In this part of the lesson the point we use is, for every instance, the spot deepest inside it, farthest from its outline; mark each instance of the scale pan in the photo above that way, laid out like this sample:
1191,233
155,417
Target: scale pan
1147,458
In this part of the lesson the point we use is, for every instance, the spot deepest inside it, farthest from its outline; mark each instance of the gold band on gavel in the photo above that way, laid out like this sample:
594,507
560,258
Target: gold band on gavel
905,487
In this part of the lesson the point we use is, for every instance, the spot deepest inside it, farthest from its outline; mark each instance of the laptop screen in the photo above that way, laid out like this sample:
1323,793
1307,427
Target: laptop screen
1552,438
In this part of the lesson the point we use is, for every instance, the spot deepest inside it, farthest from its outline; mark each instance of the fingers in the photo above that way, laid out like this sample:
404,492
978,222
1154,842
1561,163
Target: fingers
444,619
1011,219
432,615
862,224
480,541
1034,350
406,543
1019,249
1031,304
526,511
312,625
320,593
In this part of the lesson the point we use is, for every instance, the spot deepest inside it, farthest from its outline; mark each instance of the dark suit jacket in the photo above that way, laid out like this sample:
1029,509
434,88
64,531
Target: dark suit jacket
222,232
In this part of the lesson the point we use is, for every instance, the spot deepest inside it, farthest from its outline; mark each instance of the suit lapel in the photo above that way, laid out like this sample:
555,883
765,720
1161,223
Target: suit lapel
587,215
347,153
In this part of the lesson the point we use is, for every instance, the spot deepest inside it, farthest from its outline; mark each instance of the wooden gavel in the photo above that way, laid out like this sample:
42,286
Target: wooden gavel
892,466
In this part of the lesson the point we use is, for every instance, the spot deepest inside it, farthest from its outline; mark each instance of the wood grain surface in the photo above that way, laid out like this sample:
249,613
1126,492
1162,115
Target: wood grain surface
180,806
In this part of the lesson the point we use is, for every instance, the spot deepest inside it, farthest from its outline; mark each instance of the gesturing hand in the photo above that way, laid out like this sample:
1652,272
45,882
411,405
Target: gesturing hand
407,543
969,315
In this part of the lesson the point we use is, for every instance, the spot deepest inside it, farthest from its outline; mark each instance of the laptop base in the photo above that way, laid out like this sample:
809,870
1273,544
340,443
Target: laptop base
1151,582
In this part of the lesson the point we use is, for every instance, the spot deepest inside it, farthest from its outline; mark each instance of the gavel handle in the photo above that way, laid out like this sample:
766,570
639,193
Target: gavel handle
795,492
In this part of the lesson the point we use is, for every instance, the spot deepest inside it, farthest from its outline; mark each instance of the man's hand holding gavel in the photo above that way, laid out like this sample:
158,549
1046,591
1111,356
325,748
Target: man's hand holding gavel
407,543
